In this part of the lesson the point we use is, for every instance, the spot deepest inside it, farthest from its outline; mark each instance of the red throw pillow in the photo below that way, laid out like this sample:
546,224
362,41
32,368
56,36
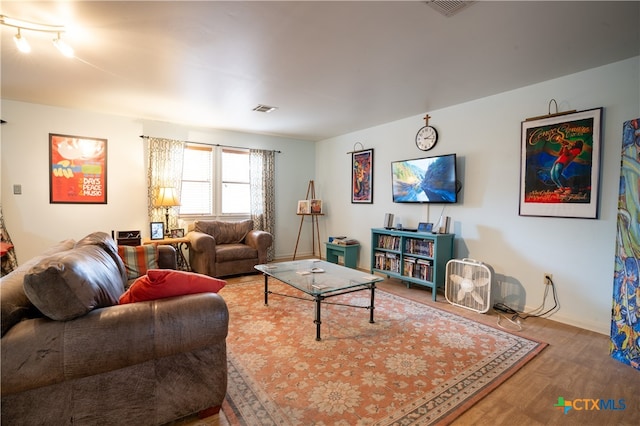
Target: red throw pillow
161,283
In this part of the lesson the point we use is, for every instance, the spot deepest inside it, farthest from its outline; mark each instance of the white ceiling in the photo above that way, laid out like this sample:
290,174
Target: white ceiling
330,67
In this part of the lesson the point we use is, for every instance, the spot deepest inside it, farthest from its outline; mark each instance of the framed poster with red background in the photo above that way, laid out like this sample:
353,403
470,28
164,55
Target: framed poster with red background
78,169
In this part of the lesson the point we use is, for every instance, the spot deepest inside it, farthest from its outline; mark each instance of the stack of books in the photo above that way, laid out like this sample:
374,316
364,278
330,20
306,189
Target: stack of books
345,241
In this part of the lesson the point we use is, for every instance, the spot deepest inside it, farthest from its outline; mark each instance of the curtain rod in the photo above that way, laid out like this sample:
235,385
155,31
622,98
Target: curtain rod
217,144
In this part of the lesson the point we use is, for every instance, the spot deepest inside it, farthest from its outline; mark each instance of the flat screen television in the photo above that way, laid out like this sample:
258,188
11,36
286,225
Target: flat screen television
425,180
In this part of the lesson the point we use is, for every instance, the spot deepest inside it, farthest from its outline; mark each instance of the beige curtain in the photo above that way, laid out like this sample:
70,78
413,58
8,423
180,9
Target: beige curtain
9,259
262,177
165,170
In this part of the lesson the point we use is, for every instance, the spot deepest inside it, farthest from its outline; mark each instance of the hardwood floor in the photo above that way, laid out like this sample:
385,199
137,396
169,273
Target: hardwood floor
575,365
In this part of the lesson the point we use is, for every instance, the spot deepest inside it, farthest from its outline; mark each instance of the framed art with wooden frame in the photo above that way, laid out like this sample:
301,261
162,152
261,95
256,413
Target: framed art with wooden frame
77,169
157,230
560,165
362,177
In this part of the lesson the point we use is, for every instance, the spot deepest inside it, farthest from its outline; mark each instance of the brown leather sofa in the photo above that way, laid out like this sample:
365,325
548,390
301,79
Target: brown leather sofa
144,363
218,248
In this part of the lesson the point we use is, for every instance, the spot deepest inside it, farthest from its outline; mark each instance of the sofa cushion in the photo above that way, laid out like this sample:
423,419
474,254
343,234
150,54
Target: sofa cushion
69,284
138,259
225,232
109,245
232,252
162,283
14,303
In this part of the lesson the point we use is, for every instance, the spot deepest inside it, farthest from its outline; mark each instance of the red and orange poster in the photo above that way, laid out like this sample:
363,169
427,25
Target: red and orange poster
78,171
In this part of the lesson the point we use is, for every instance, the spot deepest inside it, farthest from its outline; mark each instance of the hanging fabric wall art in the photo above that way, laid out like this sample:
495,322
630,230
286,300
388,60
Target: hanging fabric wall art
625,322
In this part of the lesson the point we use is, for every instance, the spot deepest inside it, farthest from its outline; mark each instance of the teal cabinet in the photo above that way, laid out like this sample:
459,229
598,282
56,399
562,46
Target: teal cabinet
413,257
348,252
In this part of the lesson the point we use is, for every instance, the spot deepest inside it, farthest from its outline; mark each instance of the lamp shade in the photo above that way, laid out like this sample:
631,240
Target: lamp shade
167,197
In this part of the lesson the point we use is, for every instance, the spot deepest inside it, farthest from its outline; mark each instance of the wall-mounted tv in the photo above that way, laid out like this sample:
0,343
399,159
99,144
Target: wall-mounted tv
425,180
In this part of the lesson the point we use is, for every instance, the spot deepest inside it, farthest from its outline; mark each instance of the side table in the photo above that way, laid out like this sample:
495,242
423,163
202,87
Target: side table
179,244
348,252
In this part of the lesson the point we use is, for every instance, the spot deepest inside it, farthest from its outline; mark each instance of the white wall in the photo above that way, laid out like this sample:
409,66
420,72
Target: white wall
34,224
485,134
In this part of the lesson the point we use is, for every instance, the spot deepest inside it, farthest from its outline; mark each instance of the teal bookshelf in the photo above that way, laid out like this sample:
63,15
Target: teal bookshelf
413,257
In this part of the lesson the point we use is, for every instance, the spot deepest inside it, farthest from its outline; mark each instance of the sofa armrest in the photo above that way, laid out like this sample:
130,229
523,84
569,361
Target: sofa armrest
202,252
42,352
167,257
261,241
201,242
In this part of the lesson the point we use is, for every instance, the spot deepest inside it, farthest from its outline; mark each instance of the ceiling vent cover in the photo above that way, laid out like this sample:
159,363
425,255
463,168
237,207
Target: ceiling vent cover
264,108
448,8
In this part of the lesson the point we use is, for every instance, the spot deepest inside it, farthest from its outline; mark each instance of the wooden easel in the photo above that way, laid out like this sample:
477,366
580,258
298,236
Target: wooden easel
311,191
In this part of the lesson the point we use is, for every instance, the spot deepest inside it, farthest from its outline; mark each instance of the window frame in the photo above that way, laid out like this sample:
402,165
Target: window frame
221,182
216,183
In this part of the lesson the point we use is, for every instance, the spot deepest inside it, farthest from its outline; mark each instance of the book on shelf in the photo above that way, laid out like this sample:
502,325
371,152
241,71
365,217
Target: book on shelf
387,262
388,242
409,266
421,247
345,242
424,269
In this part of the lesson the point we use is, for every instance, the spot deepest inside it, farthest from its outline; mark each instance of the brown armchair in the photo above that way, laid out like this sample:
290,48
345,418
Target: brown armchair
219,248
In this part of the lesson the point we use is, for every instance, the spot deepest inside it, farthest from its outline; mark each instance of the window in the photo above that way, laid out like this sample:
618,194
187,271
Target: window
235,193
197,177
215,181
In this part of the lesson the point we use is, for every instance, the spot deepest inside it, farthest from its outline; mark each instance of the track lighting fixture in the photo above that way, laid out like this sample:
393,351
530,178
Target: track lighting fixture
21,42
63,47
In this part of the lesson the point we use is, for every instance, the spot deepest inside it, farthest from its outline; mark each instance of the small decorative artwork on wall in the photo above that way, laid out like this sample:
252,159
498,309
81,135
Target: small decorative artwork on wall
362,176
625,324
560,165
77,169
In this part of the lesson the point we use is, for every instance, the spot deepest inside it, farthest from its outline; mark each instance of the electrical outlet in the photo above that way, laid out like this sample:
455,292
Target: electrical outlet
547,278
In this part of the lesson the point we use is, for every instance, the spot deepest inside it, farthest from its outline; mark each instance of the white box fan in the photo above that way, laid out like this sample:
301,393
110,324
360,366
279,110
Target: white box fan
468,284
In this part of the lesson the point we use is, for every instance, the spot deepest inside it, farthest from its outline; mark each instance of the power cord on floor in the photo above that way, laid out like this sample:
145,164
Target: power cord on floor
501,308
516,317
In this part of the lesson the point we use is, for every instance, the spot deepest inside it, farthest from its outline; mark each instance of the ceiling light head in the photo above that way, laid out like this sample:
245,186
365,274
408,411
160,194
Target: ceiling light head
63,47
21,43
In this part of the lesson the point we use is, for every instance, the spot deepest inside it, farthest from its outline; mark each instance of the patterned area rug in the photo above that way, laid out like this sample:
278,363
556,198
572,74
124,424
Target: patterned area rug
415,365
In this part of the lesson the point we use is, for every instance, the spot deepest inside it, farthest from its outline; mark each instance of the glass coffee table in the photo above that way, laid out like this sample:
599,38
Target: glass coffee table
320,280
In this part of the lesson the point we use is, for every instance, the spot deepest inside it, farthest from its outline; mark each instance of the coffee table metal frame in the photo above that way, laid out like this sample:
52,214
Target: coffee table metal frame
331,280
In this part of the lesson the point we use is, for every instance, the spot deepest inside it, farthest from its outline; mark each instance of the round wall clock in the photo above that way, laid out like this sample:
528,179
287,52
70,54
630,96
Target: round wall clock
426,138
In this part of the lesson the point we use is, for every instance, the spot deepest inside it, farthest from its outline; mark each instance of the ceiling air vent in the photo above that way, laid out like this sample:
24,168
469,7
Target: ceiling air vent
448,8
265,108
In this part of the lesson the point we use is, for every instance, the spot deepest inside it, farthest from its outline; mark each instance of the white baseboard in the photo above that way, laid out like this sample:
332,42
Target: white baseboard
596,327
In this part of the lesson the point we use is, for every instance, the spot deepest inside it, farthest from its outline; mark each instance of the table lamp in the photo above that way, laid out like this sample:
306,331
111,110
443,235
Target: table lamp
167,198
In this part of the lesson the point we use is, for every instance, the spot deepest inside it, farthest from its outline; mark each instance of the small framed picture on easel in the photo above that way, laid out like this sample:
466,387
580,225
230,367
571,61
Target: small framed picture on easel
316,206
304,207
